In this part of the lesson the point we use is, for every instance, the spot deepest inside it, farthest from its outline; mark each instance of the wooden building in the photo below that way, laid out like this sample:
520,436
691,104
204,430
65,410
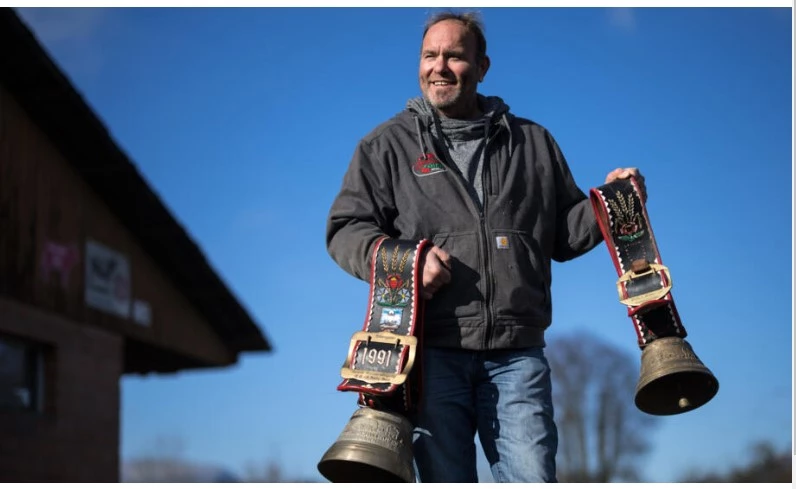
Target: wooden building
97,279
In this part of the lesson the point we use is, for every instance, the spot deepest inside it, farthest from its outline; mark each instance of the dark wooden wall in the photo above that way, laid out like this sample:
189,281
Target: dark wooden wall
45,206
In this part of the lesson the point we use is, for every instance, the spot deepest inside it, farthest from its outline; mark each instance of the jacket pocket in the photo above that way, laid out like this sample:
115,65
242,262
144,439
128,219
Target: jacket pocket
521,281
463,296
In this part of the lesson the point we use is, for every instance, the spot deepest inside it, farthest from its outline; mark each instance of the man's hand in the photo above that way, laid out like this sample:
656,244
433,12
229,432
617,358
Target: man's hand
436,265
622,173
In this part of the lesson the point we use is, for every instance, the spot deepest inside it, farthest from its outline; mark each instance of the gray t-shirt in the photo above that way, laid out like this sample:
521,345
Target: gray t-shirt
465,142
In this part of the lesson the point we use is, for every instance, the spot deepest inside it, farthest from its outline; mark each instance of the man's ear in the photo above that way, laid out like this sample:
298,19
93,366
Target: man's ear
483,68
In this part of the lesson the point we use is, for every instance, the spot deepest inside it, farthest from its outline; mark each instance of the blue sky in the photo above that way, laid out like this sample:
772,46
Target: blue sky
244,121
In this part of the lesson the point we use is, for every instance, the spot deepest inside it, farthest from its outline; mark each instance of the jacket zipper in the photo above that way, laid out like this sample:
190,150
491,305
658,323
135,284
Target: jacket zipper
487,278
486,181
486,184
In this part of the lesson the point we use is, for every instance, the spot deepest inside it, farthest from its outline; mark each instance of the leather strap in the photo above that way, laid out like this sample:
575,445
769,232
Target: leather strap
644,283
381,357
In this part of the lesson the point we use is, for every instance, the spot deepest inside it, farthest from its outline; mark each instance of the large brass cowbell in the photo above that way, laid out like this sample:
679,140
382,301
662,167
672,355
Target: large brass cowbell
376,443
375,446
673,380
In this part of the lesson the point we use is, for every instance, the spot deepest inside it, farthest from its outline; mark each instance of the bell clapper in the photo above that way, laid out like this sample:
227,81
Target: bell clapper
683,402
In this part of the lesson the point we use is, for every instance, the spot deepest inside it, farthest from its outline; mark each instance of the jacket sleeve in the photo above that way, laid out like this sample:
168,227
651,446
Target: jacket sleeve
577,231
362,212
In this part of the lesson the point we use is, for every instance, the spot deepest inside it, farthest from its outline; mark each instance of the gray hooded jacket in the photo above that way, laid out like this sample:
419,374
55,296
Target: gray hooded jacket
401,183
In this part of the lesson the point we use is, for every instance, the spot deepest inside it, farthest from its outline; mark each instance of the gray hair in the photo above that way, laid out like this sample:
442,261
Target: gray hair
472,23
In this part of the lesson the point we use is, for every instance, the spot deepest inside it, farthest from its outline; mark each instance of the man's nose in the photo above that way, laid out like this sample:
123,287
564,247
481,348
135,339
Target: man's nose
440,64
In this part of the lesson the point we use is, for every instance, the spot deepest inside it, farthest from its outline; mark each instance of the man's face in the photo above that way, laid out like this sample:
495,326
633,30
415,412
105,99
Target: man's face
450,69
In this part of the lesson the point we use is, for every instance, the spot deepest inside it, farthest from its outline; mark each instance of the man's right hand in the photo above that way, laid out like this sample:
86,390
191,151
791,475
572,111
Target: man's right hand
436,265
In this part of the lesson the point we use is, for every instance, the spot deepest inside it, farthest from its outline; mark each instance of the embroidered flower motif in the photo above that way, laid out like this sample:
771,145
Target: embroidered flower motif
629,228
394,281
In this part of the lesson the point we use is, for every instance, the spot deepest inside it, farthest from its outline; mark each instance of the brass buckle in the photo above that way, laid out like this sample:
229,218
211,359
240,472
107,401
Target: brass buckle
371,377
638,300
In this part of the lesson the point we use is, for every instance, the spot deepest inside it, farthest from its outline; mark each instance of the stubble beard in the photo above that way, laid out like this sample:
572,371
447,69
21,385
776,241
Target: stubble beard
444,102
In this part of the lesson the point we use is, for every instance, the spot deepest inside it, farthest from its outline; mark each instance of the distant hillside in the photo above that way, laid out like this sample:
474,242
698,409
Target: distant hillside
173,470
767,464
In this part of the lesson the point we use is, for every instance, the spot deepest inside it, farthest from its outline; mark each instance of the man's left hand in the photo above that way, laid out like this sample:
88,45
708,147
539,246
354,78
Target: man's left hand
622,173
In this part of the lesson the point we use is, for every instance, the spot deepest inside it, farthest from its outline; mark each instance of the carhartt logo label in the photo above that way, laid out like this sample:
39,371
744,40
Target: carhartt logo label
502,242
428,164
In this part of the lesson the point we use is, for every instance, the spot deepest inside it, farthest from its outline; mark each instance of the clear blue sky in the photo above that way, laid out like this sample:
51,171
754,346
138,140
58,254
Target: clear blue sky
244,121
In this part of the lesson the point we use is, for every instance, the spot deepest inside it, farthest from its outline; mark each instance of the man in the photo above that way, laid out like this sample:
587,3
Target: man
494,194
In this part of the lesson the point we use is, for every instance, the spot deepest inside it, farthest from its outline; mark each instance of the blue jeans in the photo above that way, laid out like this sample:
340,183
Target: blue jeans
505,396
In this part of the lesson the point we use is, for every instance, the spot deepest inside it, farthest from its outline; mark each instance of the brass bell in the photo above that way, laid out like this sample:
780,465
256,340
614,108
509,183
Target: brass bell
673,380
375,446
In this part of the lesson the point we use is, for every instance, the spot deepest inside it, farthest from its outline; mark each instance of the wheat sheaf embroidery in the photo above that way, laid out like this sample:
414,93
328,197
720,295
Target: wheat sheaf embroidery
627,222
393,291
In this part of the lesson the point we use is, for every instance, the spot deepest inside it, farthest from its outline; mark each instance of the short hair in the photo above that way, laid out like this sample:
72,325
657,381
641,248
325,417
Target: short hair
472,23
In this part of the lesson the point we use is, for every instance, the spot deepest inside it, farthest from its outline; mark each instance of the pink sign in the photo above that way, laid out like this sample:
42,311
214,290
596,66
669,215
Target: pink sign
59,258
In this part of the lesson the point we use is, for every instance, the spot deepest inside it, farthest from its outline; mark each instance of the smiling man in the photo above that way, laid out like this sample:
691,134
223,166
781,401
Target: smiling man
494,194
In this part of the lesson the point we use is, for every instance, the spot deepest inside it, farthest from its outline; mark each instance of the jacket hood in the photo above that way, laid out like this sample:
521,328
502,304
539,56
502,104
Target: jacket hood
492,106
425,117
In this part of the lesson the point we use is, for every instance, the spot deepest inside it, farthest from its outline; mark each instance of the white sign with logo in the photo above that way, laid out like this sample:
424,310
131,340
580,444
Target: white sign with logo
107,280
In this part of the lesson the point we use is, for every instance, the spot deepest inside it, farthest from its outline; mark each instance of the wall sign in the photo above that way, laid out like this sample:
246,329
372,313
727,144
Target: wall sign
58,259
107,280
